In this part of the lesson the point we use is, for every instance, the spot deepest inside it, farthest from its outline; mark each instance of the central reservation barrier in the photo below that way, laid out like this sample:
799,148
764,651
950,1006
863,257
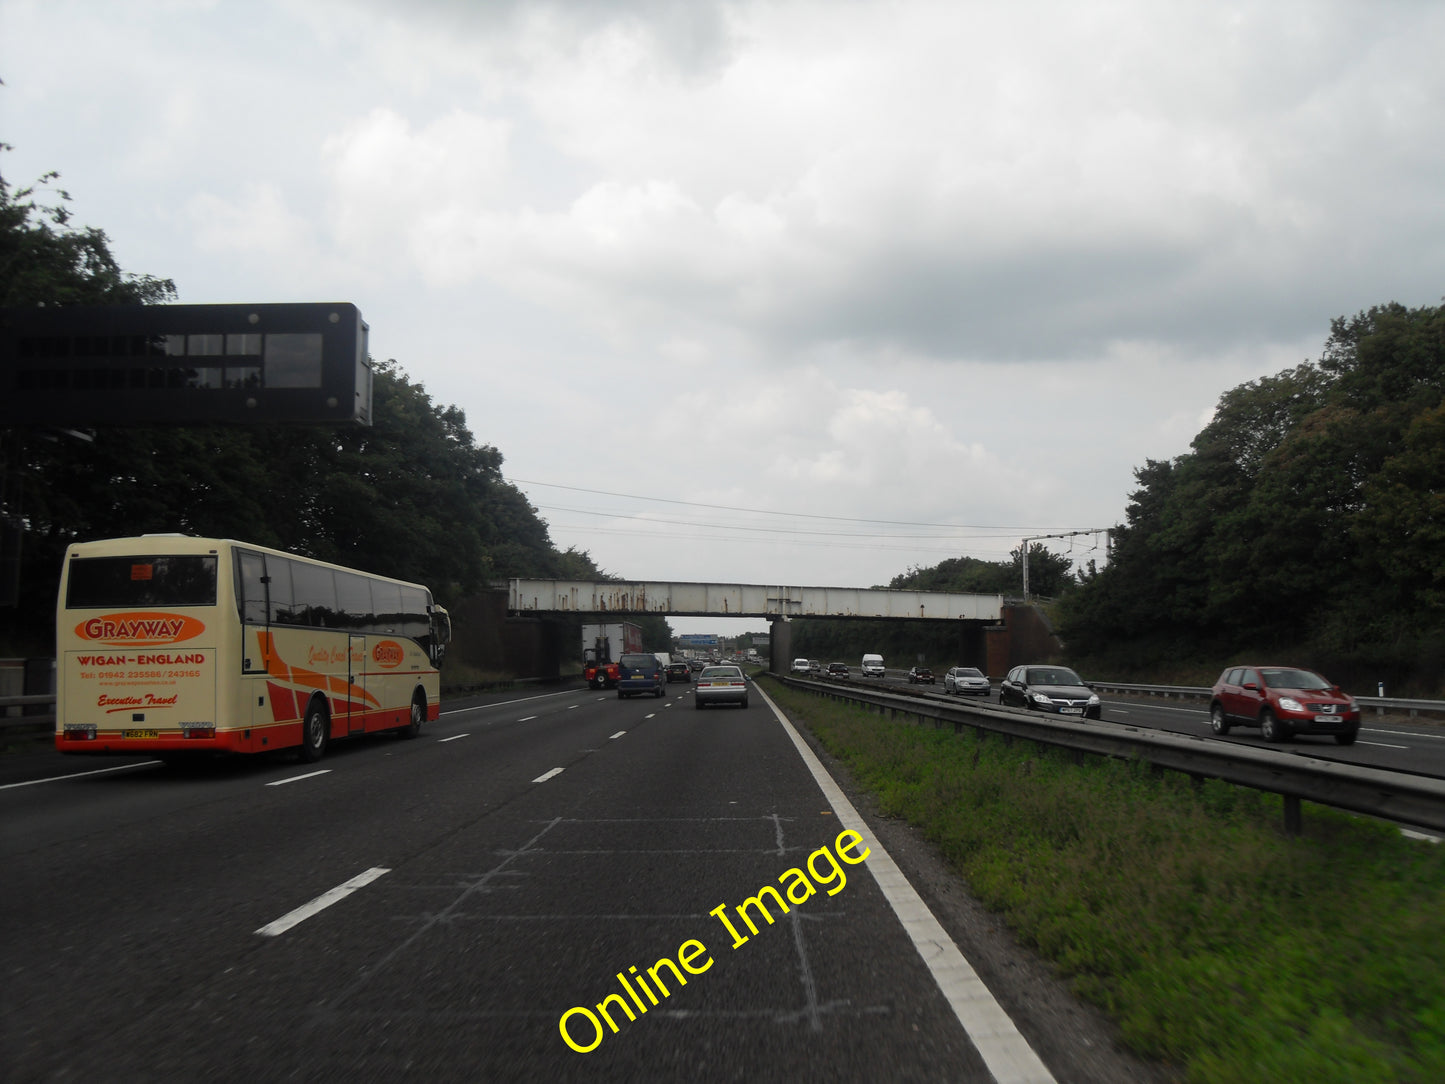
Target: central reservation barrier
1394,796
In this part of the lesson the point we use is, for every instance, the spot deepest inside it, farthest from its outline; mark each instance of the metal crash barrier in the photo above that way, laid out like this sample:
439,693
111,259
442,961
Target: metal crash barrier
1394,796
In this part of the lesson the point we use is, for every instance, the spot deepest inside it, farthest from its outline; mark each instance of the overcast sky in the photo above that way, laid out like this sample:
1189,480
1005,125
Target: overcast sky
844,287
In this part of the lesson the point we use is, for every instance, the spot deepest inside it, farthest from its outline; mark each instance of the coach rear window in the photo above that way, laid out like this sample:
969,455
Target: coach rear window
152,580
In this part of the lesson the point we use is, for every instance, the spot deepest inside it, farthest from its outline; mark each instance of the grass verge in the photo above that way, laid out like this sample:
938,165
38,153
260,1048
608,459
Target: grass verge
1217,943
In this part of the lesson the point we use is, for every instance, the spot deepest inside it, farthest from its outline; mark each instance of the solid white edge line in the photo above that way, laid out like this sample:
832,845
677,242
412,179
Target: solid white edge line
321,902
297,778
77,775
547,775
1004,1050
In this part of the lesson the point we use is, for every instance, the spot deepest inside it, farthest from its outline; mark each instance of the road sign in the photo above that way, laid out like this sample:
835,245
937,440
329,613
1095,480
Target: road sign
184,364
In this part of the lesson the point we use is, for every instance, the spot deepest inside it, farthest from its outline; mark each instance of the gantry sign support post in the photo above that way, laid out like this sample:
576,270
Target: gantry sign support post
1066,534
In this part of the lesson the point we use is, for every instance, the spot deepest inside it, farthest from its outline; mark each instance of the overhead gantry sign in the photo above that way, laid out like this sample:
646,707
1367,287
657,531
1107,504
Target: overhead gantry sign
77,365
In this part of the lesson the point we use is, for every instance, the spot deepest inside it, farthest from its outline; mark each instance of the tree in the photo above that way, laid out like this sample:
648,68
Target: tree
1254,418
967,575
1307,514
46,260
413,495
1403,537
1050,574
1388,356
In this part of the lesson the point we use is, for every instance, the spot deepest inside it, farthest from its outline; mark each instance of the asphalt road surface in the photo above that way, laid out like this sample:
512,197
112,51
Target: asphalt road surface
435,909
1391,743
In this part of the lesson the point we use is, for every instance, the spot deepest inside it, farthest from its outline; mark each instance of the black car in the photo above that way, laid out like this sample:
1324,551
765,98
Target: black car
920,675
678,671
1055,689
837,670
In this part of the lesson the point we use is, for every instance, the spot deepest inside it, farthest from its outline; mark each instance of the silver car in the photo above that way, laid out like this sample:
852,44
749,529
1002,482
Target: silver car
720,685
966,681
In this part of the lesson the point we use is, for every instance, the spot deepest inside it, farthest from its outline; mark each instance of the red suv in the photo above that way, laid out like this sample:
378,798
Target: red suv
1282,701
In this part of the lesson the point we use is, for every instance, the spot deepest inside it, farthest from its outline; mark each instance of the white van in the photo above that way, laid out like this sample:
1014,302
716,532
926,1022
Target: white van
800,666
873,666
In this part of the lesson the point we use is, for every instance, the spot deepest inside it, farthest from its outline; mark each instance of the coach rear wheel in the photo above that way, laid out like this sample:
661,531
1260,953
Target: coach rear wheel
314,731
418,716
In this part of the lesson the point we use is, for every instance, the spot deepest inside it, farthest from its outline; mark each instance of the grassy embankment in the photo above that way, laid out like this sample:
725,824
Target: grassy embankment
1217,943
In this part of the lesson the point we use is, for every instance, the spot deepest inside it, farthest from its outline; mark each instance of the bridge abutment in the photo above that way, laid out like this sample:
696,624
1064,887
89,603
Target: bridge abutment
780,644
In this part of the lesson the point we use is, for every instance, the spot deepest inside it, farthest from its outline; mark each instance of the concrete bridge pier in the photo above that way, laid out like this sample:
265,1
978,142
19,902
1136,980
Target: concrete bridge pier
780,644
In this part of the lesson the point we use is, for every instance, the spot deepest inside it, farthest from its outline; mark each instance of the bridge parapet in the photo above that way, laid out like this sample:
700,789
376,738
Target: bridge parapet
692,599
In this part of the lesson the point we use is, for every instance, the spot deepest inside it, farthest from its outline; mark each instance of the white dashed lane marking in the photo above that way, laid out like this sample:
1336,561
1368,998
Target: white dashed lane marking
321,902
298,778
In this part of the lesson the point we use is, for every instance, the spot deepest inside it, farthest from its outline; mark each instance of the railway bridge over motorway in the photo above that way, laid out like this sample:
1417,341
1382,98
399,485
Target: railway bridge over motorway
983,629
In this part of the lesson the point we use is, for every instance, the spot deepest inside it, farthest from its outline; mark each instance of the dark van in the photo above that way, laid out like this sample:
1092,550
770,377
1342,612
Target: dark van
640,674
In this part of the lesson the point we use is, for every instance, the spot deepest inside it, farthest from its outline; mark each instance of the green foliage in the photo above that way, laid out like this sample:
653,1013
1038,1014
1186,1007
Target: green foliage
1403,540
413,495
1050,574
656,632
45,260
1307,515
1217,943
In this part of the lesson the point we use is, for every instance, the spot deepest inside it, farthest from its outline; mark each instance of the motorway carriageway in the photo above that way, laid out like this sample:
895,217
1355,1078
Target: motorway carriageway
1391,744
437,907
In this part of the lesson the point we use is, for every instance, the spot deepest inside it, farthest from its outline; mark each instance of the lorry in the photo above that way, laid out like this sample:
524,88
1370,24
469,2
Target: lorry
603,646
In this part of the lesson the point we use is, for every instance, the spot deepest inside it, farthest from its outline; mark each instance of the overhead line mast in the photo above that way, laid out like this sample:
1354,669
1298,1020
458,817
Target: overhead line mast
1066,534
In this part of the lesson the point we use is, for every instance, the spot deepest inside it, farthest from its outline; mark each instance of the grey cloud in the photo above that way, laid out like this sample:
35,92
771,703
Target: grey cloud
693,34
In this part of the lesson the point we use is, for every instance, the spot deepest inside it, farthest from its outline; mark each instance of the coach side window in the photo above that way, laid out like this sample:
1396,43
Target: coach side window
353,601
415,623
251,572
387,599
279,591
315,589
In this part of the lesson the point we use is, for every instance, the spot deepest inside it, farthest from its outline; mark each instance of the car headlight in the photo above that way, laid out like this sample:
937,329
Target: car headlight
1093,699
1289,703
1040,698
